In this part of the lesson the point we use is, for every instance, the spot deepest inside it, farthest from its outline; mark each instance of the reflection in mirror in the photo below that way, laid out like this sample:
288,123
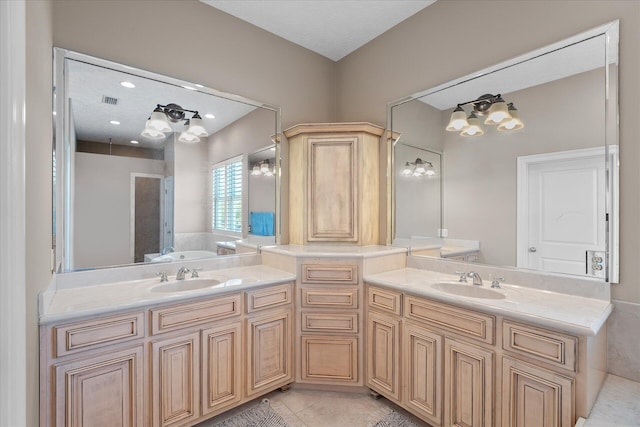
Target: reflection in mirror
535,189
137,176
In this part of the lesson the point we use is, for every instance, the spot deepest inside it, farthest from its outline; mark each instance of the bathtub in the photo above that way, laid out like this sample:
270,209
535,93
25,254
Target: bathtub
183,255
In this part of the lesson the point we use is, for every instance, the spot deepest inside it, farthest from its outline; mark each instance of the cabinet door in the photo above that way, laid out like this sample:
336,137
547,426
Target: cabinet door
468,385
423,372
332,205
533,396
329,359
105,390
221,367
175,380
269,349
383,350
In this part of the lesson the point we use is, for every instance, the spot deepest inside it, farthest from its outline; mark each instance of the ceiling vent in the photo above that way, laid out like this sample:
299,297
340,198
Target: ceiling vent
109,100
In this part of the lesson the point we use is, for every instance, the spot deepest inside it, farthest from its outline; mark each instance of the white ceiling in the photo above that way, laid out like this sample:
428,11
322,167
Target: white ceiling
332,28
88,84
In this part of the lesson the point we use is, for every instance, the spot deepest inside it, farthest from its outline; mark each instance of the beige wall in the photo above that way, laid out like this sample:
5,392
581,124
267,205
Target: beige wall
190,188
38,181
102,207
444,41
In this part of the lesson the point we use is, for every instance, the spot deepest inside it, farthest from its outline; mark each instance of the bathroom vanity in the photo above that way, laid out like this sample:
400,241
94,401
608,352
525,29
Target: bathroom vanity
456,354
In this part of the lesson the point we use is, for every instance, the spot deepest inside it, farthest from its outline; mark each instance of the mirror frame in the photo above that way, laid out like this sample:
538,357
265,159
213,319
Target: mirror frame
61,180
611,32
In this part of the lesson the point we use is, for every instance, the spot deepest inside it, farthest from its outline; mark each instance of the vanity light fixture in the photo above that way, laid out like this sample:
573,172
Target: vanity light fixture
262,169
158,124
418,168
497,111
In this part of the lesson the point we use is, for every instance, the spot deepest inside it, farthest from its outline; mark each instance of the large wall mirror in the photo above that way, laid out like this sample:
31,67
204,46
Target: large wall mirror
515,165
148,168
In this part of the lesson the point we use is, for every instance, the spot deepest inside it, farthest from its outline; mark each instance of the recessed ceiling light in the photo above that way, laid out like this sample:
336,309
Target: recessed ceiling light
199,86
114,122
133,141
210,116
189,87
127,85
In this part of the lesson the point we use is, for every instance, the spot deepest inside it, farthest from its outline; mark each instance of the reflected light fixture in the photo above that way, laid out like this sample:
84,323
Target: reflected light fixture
418,168
159,123
262,169
497,111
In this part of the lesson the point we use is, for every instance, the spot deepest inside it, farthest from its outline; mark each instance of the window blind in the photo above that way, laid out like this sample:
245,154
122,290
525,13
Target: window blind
226,192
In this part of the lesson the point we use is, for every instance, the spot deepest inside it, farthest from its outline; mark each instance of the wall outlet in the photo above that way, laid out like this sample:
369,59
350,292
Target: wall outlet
443,232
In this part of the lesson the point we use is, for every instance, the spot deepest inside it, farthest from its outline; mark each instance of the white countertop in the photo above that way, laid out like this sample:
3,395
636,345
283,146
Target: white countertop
573,314
65,304
335,251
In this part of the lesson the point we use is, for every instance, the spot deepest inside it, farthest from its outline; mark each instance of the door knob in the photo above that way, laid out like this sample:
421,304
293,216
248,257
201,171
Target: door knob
532,249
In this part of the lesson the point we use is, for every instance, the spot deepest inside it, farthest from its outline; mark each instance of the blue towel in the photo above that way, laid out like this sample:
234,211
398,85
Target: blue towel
261,223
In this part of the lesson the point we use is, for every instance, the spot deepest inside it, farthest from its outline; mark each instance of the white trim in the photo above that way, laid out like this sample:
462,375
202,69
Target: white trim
13,357
132,210
524,163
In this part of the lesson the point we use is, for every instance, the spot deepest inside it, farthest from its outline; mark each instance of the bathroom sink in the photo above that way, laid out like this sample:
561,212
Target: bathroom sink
467,290
185,285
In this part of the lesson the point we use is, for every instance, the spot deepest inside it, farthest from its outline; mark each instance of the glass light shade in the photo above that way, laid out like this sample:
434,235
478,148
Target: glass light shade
430,171
158,121
196,127
498,112
513,124
264,168
256,170
151,133
458,120
407,169
268,173
188,137
420,170
474,128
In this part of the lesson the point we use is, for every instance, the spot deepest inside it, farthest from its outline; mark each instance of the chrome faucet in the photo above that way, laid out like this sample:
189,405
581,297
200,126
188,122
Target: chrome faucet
181,272
477,280
463,276
163,276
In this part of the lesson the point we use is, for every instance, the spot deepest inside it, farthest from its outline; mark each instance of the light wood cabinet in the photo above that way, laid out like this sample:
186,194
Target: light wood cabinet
104,390
221,367
468,385
422,373
334,188
167,365
532,396
269,351
175,383
328,320
383,354
458,370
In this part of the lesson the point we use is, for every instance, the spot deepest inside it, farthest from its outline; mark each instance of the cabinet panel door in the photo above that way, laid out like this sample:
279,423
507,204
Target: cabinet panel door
104,390
269,347
383,367
533,396
175,382
423,372
468,385
221,367
329,359
332,189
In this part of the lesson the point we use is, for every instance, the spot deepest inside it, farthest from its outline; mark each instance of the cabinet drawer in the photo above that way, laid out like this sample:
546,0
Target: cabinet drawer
329,322
330,273
540,344
316,297
181,316
460,321
96,333
274,296
385,300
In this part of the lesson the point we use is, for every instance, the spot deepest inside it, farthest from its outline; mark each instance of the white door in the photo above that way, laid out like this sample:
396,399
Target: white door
561,214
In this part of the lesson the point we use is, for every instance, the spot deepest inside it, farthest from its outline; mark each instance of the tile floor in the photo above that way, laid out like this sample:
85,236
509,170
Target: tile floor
618,405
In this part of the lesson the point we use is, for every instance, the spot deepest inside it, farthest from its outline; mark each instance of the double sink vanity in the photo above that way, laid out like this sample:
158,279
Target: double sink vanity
146,352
